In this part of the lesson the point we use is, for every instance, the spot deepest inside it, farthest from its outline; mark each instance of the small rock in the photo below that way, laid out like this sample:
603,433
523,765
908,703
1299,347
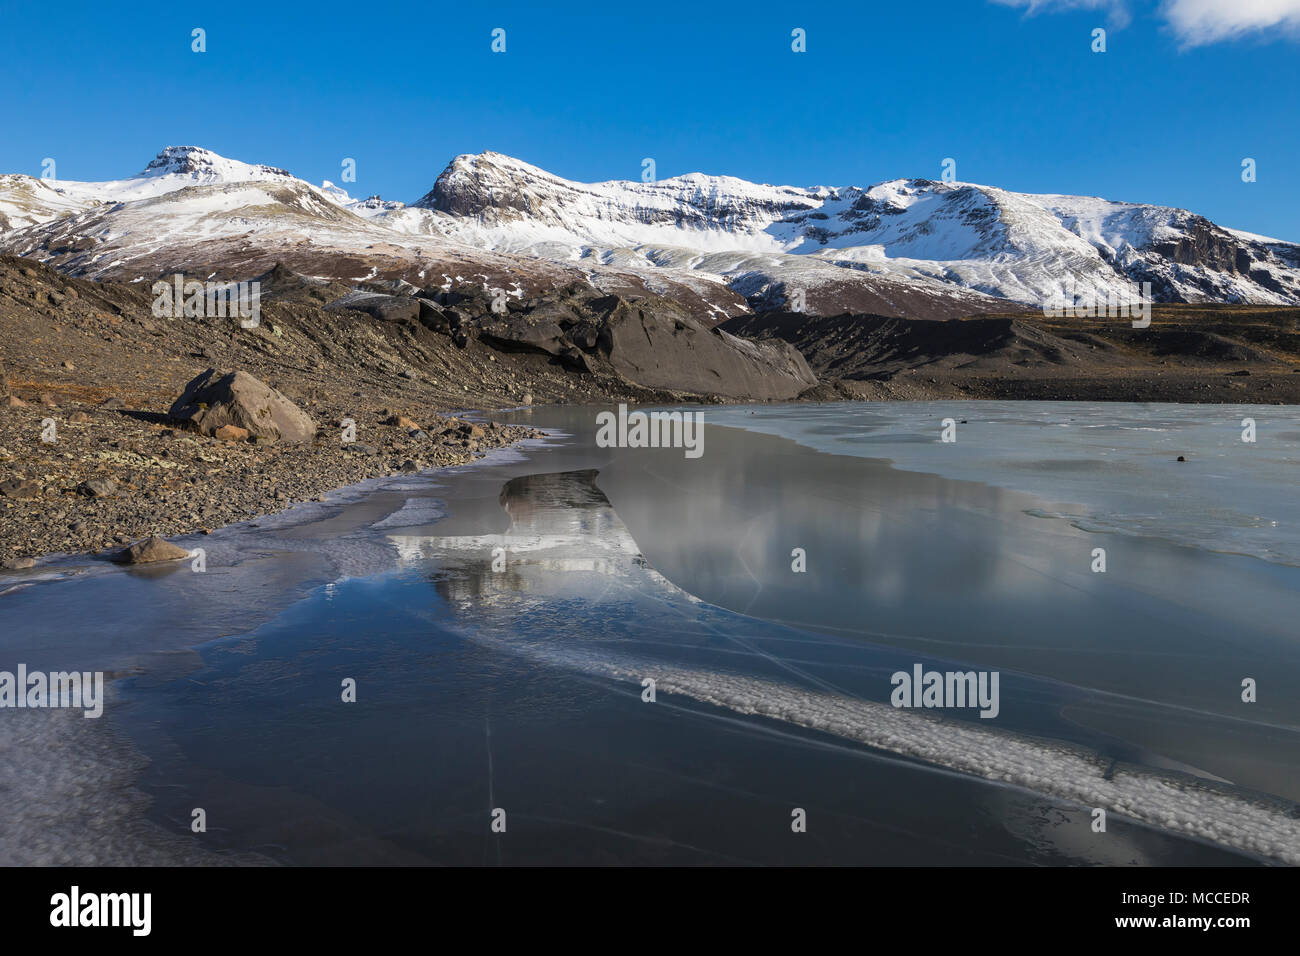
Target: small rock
78,417
112,402
409,467
17,564
1181,458
98,487
19,488
149,550
13,401
231,433
69,366
361,449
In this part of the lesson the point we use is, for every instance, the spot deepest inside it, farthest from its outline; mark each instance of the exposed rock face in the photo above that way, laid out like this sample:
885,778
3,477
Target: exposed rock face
204,165
386,308
649,342
665,350
214,399
1185,349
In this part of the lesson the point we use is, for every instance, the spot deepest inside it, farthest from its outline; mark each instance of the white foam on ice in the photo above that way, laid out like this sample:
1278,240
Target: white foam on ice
1182,805
70,799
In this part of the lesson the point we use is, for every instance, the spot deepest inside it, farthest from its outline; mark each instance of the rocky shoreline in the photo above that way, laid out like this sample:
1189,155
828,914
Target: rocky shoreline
102,443
113,476
98,452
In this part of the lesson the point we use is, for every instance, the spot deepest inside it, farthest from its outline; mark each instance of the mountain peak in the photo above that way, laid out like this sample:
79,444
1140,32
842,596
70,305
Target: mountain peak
205,166
474,183
957,243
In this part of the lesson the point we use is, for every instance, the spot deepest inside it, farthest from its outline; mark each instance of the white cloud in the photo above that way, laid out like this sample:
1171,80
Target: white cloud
1194,22
1197,22
1116,10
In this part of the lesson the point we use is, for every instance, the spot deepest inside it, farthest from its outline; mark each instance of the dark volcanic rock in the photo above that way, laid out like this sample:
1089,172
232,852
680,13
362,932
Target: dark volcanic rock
879,347
653,343
663,347
524,333
213,399
432,317
386,308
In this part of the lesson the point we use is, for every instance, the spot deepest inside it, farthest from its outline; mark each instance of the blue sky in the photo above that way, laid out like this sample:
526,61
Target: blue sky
1010,89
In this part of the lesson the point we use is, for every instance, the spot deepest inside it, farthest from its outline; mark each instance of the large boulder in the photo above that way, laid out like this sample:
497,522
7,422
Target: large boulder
524,333
215,399
150,551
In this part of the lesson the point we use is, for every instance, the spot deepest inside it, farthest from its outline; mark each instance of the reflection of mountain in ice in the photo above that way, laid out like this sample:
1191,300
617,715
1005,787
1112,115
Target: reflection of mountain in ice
575,593
562,529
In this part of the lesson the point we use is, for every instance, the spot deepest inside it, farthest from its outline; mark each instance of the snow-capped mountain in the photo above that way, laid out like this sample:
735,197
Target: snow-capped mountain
722,246
1011,245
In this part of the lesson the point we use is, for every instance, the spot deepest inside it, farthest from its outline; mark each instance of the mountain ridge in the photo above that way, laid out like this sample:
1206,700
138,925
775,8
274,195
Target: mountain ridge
913,248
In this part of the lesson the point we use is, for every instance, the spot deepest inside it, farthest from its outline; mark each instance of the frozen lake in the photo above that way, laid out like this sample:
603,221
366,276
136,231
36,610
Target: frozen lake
501,623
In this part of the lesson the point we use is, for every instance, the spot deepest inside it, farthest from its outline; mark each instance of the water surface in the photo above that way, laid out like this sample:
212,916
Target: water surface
500,622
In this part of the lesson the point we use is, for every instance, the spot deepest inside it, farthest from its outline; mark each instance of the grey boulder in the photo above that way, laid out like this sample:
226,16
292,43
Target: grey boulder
213,399
150,551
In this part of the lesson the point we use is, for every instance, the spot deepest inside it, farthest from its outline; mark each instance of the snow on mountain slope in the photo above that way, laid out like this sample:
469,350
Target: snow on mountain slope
26,200
195,212
1010,245
175,168
915,248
